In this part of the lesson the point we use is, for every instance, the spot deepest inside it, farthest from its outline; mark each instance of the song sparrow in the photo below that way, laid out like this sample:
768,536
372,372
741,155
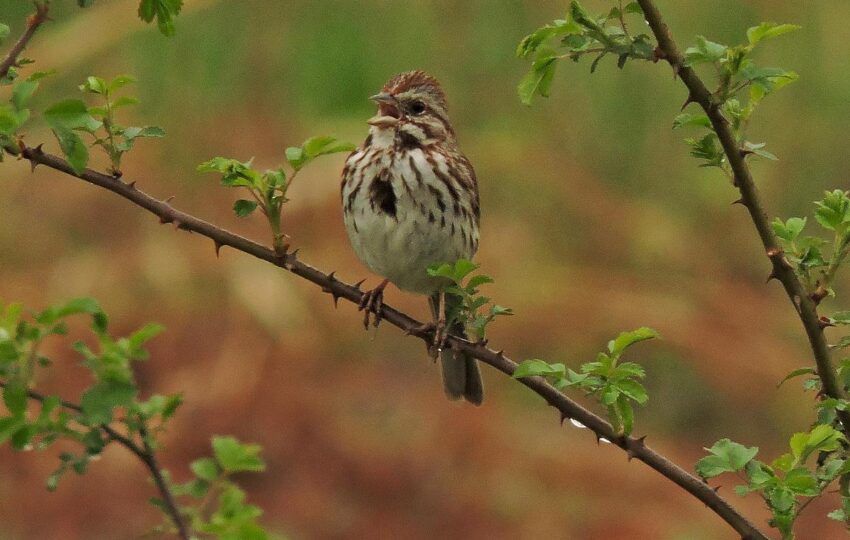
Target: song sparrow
410,200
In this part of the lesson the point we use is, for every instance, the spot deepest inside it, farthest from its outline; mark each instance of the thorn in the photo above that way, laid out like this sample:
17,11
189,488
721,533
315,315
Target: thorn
716,488
739,201
294,254
824,322
359,283
165,219
630,454
336,299
331,276
564,418
177,223
38,150
772,275
217,247
658,54
132,185
774,252
500,354
690,99
482,342
641,440
168,200
819,294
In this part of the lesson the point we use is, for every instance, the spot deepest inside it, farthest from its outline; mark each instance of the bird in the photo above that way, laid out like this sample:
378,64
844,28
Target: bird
410,200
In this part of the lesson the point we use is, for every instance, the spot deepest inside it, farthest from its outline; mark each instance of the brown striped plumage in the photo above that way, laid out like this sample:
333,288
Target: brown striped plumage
410,200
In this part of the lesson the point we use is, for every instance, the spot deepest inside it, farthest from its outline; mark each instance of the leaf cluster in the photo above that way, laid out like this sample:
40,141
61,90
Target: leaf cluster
113,396
815,259
789,483
613,383
474,311
217,504
741,86
163,11
579,33
70,117
268,189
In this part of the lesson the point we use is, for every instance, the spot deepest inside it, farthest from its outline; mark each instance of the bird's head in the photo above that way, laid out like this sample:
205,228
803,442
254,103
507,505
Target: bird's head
413,104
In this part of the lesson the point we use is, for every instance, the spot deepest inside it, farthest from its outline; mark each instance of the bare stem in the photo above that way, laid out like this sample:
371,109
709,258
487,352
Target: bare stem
33,22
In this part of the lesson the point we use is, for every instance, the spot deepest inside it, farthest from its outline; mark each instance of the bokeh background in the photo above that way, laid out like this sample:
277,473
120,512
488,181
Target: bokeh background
594,220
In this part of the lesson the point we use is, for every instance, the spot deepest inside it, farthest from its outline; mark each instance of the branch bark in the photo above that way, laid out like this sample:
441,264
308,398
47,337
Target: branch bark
33,22
634,447
144,452
804,305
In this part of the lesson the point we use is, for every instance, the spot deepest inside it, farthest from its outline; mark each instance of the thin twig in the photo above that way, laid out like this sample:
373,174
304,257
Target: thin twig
33,22
782,270
635,447
145,453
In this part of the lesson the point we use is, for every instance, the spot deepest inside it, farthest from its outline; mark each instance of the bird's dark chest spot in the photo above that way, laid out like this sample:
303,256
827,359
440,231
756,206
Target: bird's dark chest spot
382,196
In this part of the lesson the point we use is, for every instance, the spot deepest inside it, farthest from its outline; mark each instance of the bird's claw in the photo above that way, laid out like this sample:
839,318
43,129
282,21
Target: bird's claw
371,302
435,347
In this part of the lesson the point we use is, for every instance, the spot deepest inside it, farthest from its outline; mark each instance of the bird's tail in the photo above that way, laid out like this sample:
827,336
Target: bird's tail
461,376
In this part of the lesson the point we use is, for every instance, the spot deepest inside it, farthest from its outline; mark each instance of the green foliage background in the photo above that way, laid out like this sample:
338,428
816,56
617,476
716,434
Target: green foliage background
594,219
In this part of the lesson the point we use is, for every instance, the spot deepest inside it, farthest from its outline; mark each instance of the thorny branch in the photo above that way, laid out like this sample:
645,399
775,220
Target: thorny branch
804,305
33,22
635,447
144,452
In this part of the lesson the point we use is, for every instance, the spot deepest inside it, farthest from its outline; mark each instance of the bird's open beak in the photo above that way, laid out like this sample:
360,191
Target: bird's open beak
389,112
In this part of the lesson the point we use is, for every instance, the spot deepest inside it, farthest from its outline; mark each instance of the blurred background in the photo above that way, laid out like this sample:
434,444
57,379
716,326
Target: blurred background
594,220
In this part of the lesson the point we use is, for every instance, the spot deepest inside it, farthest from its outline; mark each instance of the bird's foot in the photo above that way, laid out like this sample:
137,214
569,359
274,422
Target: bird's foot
372,302
435,347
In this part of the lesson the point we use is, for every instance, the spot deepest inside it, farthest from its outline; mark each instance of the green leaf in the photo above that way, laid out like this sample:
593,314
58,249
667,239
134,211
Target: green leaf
536,367
94,85
141,336
131,133
233,456
73,147
797,373
119,82
789,230
296,157
768,30
15,397
99,401
205,469
802,482
688,119
840,318
163,10
726,456
123,101
633,7
243,207
833,212
323,145
539,79
758,150
4,31
627,339
72,307
705,51
633,389
22,92
71,114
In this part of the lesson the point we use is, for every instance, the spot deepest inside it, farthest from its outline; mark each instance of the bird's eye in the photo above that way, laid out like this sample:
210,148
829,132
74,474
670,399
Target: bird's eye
417,107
